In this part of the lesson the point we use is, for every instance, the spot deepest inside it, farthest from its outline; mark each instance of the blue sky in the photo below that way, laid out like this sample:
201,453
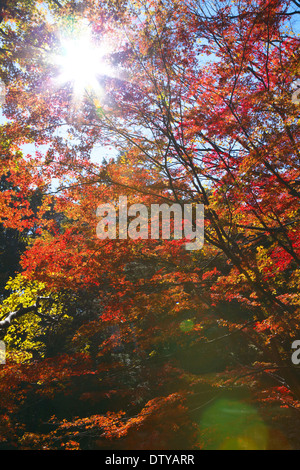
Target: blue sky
100,152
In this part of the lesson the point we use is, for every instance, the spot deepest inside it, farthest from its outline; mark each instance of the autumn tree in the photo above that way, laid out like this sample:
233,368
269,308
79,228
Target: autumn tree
197,99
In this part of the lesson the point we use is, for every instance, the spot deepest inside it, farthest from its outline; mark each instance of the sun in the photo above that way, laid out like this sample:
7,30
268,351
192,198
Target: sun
82,62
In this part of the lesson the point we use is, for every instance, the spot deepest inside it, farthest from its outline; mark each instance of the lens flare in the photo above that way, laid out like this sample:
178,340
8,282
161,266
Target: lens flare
233,425
186,326
82,62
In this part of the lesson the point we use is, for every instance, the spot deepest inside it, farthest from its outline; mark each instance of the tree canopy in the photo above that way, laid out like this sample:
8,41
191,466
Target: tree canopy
139,343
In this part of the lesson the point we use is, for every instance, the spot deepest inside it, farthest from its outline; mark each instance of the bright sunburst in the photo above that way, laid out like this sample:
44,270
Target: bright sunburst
82,63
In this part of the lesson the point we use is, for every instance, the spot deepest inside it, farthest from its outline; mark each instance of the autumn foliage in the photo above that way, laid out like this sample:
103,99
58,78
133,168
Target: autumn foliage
127,344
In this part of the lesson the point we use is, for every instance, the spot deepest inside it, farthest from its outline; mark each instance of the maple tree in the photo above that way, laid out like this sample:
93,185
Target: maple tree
120,338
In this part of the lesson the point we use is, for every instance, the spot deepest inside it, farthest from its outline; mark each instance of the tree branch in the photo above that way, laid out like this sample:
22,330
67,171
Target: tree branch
21,310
